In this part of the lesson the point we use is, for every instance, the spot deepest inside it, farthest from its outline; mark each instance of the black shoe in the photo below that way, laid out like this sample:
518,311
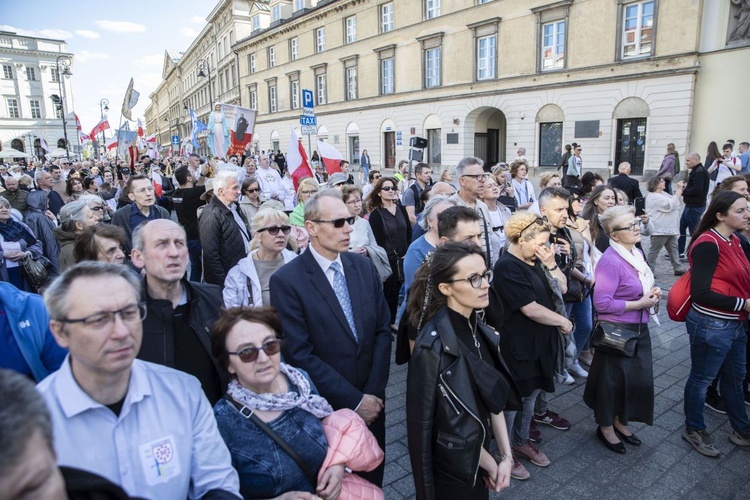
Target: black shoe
716,404
616,447
632,440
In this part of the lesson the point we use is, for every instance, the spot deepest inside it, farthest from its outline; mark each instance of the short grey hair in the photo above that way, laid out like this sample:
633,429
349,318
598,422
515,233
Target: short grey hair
57,295
37,175
312,206
623,167
71,213
430,206
91,200
23,411
222,178
466,163
610,215
137,238
552,193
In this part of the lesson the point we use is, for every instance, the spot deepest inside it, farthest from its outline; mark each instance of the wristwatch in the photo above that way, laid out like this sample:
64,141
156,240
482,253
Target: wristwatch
550,269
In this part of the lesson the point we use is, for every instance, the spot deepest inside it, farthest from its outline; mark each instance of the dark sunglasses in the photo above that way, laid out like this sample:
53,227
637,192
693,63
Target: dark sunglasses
375,177
538,221
338,223
388,188
250,354
274,230
97,208
254,190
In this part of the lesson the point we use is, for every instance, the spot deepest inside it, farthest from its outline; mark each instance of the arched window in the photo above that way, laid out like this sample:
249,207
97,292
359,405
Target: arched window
61,143
18,145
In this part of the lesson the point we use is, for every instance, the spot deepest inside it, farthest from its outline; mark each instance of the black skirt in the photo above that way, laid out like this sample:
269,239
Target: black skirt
622,387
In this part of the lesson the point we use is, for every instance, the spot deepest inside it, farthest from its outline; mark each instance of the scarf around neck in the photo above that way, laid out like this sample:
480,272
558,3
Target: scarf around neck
636,260
312,403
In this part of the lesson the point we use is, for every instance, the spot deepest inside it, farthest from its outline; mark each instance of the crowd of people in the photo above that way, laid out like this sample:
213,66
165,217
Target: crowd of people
214,329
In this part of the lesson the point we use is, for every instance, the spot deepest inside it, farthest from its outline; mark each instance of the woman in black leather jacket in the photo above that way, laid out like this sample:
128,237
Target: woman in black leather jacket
458,384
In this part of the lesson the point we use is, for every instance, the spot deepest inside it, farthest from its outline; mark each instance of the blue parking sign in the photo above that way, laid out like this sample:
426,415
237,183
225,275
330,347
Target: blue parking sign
307,99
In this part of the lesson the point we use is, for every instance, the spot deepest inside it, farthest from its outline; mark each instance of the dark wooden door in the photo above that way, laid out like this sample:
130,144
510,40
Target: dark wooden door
389,152
631,143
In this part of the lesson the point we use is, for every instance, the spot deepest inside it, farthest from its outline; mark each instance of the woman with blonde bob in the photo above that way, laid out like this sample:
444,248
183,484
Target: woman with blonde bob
247,282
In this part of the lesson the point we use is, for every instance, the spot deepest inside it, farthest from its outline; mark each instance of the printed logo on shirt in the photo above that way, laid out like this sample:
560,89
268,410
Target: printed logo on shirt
24,324
159,460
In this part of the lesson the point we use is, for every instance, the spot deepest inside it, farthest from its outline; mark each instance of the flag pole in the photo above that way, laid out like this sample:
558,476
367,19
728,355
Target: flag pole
117,149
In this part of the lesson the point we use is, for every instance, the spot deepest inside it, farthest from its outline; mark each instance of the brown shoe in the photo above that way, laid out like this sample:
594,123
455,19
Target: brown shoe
531,452
518,471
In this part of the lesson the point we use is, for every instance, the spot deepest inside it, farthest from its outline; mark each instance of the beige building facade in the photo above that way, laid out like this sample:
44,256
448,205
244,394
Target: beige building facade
623,78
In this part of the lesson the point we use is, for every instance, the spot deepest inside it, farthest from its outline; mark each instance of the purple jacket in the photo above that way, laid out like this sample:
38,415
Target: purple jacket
617,282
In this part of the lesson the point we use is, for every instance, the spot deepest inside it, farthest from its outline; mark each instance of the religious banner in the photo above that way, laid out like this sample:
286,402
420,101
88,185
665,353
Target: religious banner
241,122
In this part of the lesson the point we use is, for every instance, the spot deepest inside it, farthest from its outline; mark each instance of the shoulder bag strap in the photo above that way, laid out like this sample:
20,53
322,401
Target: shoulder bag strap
250,415
250,290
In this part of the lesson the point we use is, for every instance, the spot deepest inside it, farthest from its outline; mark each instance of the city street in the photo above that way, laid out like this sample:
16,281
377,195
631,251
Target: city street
663,467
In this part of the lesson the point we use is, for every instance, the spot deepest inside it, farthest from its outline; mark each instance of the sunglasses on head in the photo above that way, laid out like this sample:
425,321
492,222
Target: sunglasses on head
338,223
274,230
250,354
538,221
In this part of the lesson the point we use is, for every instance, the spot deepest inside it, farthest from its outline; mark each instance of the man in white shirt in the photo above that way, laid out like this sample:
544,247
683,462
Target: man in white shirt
271,186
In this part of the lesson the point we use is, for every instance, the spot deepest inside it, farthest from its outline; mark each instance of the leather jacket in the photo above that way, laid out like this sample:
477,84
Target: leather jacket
444,421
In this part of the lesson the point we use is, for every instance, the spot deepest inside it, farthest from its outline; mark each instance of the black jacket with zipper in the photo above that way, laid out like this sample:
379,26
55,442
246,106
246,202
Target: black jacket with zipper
222,241
444,427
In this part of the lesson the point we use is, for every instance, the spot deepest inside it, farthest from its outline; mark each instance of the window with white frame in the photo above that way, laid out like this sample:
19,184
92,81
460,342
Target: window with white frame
234,76
271,56
350,75
253,98
252,63
55,74
321,88
299,5
431,8
479,2
36,108
637,29
293,49
486,57
256,22
30,73
553,45
386,17
276,12
294,91
351,29
387,75
7,71
272,98
432,67
320,40
13,111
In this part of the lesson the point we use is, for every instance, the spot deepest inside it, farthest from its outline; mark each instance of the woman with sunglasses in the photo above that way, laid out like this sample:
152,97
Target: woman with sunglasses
530,330
390,224
458,383
250,201
247,283
620,389
602,198
266,397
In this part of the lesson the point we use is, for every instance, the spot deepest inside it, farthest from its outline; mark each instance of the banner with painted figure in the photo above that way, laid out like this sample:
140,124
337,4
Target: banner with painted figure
126,146
230,129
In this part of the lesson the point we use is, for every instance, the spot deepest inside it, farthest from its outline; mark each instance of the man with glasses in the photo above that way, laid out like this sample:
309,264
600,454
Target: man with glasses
575,168
181,313
186,200
471,177
142,208
145,427
335,319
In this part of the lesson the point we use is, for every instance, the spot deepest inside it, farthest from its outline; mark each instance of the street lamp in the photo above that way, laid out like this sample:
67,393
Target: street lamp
203,64
65,62
103,106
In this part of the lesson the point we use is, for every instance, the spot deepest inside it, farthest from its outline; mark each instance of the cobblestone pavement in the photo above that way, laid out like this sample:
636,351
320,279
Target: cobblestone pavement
664,466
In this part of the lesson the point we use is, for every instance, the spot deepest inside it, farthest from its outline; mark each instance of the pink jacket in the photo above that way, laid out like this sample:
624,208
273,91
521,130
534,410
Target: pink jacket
352,444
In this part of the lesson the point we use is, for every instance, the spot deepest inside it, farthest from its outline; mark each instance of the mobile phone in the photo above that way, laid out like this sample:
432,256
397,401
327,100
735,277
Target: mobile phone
640,206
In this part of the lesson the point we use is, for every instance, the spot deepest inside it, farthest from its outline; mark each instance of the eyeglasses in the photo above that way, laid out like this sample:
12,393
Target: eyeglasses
356,201
475,280
274,230
97,208
254,190
636,224
338,223
538,221
477,177
579,150
308,192
388,188
250,354
376,177
129,314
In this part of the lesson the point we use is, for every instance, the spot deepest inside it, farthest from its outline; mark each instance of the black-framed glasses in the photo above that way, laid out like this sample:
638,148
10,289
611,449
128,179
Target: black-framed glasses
376,177
274,230
250,354
310,192
636,224
477,177
337,223
355,201
539,221
475,280
97,208
388,188
129,314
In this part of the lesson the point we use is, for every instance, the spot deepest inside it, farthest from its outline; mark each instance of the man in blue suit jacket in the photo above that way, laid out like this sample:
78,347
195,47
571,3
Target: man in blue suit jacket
349,369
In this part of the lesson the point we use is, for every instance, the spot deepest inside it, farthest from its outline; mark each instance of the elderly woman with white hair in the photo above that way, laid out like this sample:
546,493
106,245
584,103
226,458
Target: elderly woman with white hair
246,284
74,218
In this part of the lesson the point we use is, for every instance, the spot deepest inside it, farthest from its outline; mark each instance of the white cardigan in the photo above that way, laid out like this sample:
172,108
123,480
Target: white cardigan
235,285
664,213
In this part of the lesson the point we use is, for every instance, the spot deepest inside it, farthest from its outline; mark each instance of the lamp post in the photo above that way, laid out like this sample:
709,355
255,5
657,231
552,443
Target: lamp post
103,106
30,137
65,62
203,64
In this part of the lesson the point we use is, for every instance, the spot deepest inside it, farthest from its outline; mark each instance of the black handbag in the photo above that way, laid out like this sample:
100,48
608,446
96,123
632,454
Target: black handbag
37,271
618,339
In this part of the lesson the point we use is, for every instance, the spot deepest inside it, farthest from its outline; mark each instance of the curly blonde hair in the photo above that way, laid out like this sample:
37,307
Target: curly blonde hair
521,225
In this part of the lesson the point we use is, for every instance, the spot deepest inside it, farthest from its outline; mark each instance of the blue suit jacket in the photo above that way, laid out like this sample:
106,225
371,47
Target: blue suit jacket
317,337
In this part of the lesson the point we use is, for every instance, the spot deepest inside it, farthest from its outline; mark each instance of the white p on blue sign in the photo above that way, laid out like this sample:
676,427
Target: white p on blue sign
307,102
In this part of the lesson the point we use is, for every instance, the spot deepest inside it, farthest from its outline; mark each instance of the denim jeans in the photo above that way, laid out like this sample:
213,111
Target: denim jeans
195,252
580,314
716,346
689,220
520,424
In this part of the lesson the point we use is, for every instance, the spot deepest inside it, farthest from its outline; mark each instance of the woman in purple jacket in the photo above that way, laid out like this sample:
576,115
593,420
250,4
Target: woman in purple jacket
620,389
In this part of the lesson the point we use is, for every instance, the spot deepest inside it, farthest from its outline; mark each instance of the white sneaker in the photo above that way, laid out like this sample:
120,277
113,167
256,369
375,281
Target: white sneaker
568,379
578,371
